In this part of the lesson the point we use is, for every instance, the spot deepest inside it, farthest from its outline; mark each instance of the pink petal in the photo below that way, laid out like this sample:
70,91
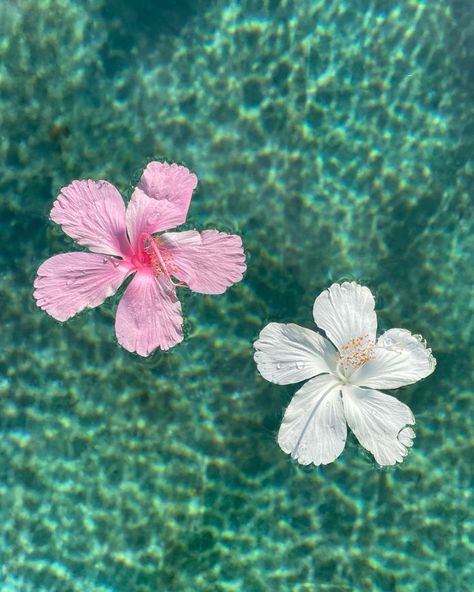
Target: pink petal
148,315
93,214
209,262
68,283
161,199
143,214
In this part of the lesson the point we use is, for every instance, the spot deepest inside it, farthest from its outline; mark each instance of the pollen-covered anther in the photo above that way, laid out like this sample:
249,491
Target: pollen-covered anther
356,352
160,257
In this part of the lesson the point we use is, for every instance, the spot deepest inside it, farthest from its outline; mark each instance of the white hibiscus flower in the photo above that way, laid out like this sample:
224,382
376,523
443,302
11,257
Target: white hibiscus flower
344,378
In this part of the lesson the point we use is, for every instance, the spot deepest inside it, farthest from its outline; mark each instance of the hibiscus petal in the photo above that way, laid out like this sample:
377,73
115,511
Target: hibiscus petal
161,199
209,262
286,354
70,282
148,215
148,315
379,422
346,311
313,428
93,214
400,359
406,437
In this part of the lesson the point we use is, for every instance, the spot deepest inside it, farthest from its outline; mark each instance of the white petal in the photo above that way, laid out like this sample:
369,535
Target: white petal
406,437
400,358
289,353
379,422
346,311
313,429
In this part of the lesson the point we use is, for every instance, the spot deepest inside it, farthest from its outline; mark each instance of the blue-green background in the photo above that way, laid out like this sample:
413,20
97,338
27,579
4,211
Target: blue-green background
337,138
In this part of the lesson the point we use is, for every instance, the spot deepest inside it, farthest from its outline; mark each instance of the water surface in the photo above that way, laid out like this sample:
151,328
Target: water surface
336,138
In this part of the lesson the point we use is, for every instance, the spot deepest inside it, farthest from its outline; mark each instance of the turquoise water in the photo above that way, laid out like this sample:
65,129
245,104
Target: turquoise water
336,138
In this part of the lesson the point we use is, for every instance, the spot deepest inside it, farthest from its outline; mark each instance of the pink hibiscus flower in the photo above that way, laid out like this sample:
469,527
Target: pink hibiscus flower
122,242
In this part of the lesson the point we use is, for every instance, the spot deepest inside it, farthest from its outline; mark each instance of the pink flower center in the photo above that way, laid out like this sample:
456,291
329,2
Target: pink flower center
159,256
153,253
356,352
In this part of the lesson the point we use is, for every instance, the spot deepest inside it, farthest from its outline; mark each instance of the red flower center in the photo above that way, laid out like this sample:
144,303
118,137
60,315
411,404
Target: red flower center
159,256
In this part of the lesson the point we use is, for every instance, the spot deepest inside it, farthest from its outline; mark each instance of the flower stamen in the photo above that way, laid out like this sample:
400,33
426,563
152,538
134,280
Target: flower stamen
160,258
354,353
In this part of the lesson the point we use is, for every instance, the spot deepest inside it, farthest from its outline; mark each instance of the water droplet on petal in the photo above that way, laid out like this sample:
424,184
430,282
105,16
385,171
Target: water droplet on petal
151,220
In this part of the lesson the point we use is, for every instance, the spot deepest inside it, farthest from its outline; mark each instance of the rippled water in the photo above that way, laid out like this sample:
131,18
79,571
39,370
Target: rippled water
336,138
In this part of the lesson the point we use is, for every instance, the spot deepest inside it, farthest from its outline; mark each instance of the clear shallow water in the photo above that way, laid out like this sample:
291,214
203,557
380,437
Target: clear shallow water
337,139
